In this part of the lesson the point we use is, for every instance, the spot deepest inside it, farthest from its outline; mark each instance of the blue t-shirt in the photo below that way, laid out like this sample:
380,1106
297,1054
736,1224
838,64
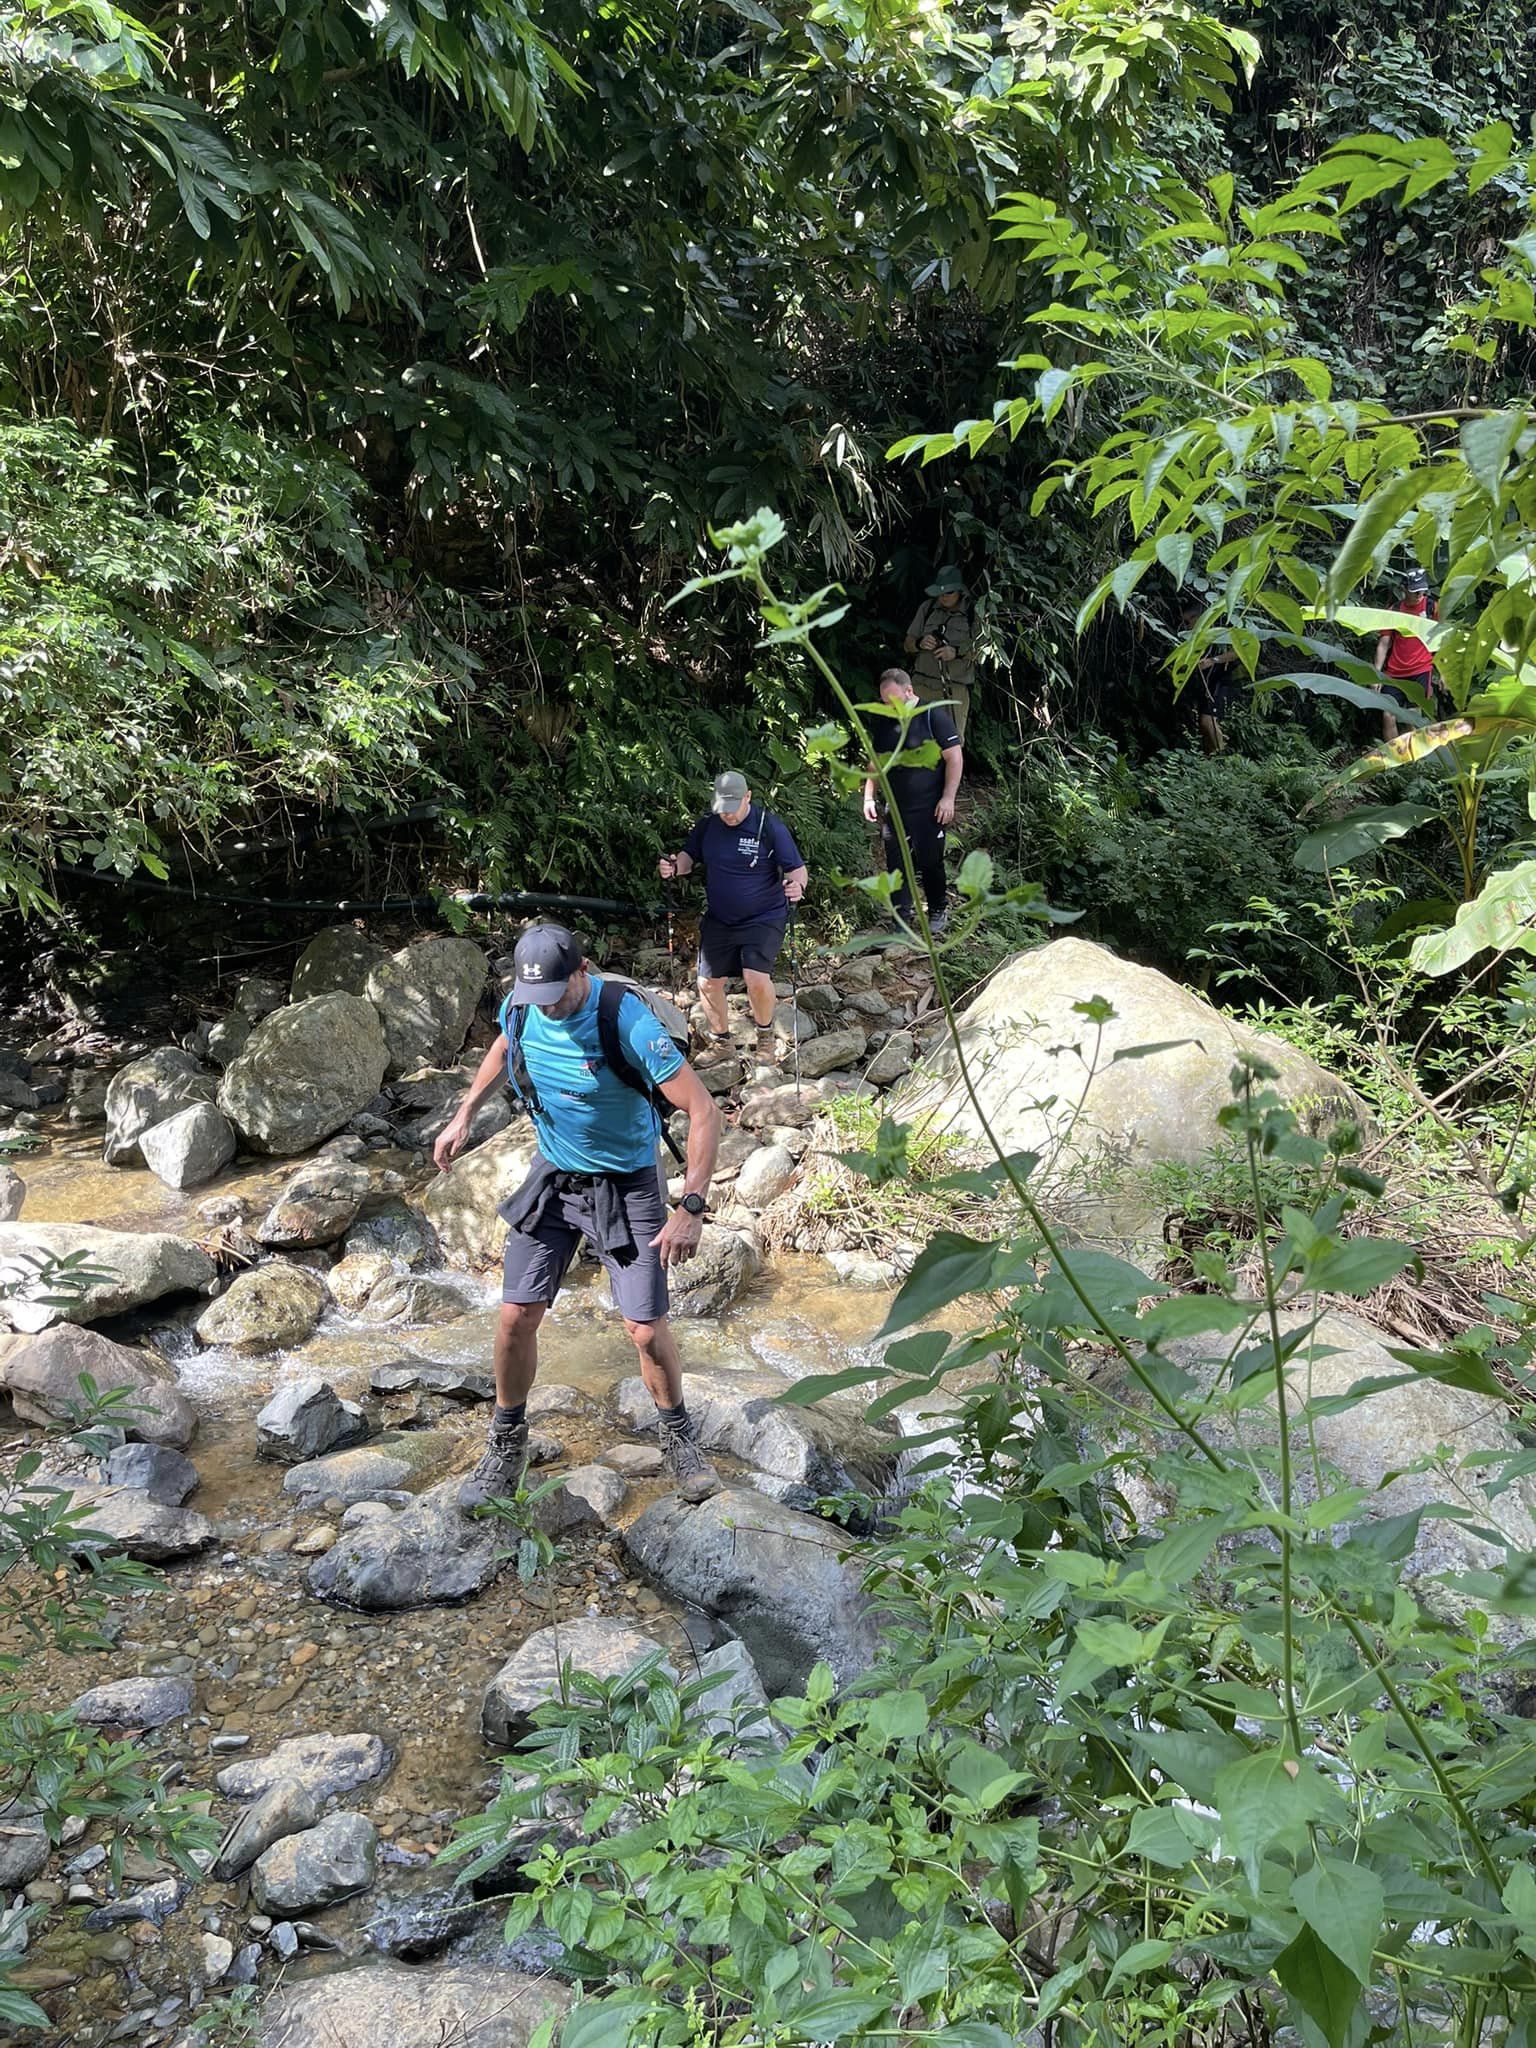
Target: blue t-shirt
588,1120
744,866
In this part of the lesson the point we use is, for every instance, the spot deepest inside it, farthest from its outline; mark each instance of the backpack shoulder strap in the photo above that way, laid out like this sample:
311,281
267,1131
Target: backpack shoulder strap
517,1059
610,999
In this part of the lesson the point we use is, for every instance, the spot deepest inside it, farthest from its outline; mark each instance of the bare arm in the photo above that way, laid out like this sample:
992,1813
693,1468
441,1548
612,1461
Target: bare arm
954,768
678,1238
491,1072
871,807
1383,649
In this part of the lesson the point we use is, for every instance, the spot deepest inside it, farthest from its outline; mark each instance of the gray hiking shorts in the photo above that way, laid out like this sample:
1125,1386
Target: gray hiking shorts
536,1262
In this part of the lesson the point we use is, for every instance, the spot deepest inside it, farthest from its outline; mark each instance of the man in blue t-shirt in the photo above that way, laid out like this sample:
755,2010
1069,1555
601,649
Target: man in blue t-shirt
595,1176
753,873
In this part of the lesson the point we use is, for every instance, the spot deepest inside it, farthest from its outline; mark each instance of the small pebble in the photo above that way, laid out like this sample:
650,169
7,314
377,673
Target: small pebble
226,1745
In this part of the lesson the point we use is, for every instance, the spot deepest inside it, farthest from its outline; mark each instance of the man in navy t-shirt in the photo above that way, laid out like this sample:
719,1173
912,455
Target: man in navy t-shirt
752,874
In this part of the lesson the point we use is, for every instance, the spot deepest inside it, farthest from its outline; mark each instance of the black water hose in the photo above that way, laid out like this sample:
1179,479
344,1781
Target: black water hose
350,906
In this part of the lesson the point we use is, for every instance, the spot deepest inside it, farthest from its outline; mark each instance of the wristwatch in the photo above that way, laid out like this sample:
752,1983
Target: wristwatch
694,1204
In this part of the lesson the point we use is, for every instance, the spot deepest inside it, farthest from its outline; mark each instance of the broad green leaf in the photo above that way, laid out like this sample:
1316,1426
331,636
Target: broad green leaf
971,2034
1361,831
1192,1759
1373,523
979,1775
1267,1796
1146,1052
1176,551
897,1716
817,1386
1155,1836
949,1266
1487,443
1320,1986
1358,1265
1498,920
1342,1904
1316,684
1137,1959
837,2018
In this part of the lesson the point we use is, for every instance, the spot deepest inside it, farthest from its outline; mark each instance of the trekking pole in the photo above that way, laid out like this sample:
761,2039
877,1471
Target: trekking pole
794,1000
669,901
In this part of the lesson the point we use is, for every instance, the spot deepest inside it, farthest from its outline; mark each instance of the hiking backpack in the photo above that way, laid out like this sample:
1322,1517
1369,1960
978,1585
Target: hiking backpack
611,991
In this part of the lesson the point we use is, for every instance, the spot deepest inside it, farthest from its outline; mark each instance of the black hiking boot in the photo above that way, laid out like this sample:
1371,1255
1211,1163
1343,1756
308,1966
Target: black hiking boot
696,1478
500,1471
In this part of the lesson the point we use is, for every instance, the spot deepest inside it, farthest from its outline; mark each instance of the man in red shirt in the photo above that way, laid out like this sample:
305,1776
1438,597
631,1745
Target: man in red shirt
1401,658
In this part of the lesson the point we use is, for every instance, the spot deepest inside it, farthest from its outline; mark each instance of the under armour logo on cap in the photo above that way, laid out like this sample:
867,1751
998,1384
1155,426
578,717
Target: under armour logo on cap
544,960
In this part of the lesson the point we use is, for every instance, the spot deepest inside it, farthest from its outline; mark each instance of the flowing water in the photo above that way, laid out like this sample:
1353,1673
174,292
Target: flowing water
268,1660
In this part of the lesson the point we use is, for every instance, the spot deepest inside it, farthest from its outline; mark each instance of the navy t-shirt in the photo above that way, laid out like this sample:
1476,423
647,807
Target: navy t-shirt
744,866
915,789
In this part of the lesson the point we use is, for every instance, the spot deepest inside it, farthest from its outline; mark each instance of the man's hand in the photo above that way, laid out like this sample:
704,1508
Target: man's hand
872,808
793,890
678,1238
450,1142
944,811
945,653
928,643
667,867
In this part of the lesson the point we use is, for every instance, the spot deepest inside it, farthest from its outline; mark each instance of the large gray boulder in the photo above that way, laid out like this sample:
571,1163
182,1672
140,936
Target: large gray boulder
1030,1053
1371,1443
831,1050
337,961
325,1766
284,1808
386,2004
165,1475
765,1176
461,1204
428,1555
305,1419
145,1093
400,1232
778,1579
265,1308
134,1703
119,1518
134,1267
822,1450
42,1375
306,1070
585,1502
531,1676
24,1848
426,997
302,1873
318,1205
189,1147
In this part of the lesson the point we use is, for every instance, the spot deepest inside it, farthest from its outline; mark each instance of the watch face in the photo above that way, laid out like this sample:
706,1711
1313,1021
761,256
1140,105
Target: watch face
694,1204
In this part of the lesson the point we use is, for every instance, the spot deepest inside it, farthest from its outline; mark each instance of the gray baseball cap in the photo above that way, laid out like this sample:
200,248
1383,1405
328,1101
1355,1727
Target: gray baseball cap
730,790
544,960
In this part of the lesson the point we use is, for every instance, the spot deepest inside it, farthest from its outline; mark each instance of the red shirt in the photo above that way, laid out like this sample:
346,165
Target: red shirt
1406,656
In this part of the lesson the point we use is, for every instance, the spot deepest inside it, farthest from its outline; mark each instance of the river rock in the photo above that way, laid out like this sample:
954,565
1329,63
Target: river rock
259,997
284,1808
583,1504
790,1024
399,2005
165,1475
826,1449
145,1093
455,1383
120,1518
778,1579
832,1049
634,1461
491,1118
398,1458
352,1279
136,1267
397,1231
330,1861
153,1902
42,1375
266,1308
428,1555
765,1176
426,996
306,1070
893,1060
601,1647
736,1705
337,961
413,1298
711,1280
229,1038
421,1926
1026,1046
461,1204
788,1103
820,999
13,1193
189,1147
326,1766
134,1703
319,1205
305,1419
1378,1437
24,1848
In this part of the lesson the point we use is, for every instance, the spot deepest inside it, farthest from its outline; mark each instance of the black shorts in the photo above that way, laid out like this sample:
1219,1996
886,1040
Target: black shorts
535,1263
725,949
1400,696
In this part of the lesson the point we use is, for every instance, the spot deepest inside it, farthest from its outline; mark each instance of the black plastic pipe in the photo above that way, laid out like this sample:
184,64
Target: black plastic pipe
527,899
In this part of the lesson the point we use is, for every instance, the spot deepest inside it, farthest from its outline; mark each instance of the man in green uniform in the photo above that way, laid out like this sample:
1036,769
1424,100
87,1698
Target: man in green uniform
939,641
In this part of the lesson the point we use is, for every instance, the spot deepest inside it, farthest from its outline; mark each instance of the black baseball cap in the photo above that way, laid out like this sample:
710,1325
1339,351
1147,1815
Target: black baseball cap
544,960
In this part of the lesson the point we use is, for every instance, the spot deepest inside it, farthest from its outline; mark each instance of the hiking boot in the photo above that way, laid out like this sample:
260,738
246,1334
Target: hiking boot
500,1471
696,1478
715,1046
938,922
767,1047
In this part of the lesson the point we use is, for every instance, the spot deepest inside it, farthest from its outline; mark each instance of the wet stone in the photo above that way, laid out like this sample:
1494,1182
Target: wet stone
328,1862
326,1765
134,1703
